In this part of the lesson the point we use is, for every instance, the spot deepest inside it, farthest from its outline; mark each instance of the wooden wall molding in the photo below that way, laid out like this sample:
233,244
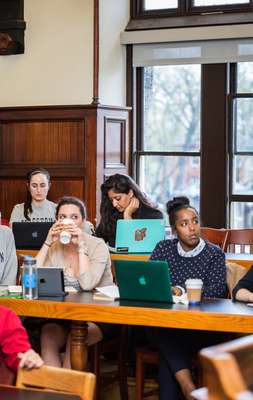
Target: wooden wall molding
96,52
79,145
115,143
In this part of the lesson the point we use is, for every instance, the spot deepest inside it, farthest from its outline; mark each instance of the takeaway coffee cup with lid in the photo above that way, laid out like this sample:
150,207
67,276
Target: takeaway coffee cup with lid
194,289
65,236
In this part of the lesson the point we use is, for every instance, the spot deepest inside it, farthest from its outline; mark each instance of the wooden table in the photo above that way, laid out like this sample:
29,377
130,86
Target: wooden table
14,393
24,252
246,260
213,315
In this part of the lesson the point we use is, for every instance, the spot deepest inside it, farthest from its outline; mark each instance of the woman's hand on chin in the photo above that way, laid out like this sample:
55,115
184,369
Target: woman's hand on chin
131,208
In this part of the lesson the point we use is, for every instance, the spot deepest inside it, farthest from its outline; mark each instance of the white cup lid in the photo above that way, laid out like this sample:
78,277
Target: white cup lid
194,283
67,221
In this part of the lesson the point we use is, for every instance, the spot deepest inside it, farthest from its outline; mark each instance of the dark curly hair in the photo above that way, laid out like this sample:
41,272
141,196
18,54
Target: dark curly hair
176,204
119,183
28,203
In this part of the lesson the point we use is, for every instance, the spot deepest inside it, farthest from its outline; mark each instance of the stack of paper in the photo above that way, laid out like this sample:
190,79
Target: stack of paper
109,293
3,291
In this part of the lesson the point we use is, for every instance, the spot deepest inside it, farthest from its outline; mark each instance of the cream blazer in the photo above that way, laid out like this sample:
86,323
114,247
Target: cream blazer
100,272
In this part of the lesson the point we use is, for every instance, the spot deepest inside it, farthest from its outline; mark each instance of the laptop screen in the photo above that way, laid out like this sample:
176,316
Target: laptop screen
30,235
138,235
143,280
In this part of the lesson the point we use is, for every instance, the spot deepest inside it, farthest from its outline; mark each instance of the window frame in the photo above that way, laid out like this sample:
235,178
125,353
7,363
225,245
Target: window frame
233,95
213,209
187,15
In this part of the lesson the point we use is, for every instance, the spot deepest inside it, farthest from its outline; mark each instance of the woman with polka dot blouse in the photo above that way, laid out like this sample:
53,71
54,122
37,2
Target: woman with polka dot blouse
188,256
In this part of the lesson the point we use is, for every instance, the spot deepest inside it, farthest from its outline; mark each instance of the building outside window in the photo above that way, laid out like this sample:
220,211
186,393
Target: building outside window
169,157
241,164
193,110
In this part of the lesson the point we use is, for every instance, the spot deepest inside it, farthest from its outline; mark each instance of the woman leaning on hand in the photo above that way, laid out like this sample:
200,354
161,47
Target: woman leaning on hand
86,263
122,199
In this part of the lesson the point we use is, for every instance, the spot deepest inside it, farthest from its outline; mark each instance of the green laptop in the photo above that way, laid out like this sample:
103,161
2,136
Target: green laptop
143,280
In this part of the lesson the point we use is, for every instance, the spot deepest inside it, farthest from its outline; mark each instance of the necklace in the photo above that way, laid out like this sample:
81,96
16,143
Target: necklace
72,265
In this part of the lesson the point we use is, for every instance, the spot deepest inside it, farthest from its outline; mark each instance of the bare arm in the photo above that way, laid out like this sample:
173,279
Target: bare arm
52,236
243,291
244,295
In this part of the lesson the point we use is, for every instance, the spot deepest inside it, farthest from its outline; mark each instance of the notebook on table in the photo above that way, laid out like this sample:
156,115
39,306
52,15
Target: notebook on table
30,235
138,235
143,280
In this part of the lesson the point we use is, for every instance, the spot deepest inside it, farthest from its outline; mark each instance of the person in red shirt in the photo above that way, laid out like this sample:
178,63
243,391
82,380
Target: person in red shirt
15,348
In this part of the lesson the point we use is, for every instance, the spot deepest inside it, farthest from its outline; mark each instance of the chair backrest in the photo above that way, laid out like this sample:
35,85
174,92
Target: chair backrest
216,236
227,369
239,241
58,379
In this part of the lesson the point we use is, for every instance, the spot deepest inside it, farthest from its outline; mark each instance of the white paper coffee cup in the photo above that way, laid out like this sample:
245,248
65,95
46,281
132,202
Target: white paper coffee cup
65,236
194,290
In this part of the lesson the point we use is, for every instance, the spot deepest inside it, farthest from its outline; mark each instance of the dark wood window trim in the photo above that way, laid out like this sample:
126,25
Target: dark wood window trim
187,16
214,160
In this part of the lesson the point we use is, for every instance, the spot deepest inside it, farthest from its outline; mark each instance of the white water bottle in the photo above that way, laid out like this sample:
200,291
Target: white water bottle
30,278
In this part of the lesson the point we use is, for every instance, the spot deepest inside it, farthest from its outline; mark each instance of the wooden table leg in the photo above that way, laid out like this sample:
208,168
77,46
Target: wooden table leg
78,347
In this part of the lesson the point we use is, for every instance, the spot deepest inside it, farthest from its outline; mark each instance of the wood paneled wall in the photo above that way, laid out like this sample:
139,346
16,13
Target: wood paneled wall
79,145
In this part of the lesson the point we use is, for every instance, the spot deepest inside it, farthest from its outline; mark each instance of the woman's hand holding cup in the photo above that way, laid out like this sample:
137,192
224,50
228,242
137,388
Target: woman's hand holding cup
53,233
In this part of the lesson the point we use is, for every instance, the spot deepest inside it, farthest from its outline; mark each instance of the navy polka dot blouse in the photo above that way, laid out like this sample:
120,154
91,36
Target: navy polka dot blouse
208,265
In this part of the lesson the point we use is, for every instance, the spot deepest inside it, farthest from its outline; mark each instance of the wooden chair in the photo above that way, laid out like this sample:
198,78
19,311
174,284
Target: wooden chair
227,369
216,236
239,241
118,345
58,379
144,356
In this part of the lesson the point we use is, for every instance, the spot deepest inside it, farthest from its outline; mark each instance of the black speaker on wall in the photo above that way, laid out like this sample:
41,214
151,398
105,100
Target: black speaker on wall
12,27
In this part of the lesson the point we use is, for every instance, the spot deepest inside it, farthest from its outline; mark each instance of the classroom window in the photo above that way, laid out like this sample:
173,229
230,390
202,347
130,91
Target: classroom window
168,155
179,114
151,14
206,3
160,4
241,194
241,215
186,7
